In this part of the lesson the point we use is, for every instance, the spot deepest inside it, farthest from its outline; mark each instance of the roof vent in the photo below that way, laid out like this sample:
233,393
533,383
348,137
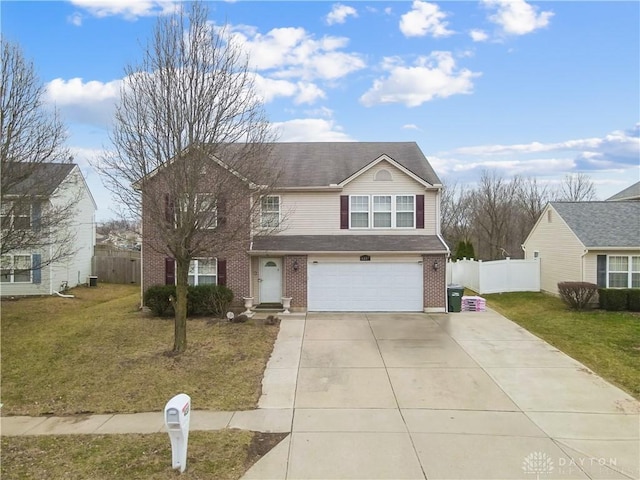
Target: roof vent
383,175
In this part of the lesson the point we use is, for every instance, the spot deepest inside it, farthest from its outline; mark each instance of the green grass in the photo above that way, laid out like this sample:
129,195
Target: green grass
606,342
222,455
97,353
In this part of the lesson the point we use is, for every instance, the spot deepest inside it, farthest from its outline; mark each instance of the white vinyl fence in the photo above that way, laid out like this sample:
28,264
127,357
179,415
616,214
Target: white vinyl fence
497,276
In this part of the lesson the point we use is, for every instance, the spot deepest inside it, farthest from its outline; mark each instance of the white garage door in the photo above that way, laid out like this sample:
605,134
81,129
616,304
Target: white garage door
365,287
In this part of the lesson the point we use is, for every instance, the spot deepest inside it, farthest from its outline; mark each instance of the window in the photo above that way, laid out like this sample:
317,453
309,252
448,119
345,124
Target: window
16,215
270,211
203,271
623,271
382,211
386,211
382,175
405,211
359,211
15,269
207,206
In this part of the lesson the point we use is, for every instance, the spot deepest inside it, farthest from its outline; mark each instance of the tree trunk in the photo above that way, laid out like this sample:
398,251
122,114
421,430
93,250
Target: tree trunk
180,326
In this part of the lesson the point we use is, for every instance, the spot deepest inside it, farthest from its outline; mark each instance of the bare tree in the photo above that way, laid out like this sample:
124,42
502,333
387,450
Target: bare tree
455,213
532,199
576,187
37,214
191,147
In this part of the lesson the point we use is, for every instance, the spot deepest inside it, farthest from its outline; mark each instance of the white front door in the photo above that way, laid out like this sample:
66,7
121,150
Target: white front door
270,280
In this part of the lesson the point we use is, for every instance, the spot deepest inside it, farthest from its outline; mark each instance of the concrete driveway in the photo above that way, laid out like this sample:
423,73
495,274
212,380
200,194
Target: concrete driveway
457,396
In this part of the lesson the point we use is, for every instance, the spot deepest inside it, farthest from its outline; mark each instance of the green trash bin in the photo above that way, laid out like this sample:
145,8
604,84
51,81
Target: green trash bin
454,297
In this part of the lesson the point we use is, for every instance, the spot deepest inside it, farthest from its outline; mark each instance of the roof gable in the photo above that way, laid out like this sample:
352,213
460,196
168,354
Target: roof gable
602,224
392,162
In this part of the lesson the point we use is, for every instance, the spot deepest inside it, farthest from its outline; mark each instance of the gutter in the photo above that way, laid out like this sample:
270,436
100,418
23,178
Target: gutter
346,252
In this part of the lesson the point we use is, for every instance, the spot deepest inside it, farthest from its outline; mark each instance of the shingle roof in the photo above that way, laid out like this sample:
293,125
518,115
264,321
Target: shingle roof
34,178
629,193
313,164
348,243
602,224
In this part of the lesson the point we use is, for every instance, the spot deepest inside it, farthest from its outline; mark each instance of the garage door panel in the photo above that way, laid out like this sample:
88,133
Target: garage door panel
365,287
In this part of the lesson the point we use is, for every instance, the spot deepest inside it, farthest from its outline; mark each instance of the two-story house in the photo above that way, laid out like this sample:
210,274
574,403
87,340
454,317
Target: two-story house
358,229
47,255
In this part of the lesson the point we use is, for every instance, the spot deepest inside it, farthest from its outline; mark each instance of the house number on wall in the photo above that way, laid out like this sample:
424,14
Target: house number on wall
365,258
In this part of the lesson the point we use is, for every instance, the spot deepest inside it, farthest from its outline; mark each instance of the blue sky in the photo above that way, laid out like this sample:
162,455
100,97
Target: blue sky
531,88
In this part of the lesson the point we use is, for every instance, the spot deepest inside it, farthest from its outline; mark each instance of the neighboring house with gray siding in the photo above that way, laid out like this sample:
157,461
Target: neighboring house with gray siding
596,242
57,186
358,230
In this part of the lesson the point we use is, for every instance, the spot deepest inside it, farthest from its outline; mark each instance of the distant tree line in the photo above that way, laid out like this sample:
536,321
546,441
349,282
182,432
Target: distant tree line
492,220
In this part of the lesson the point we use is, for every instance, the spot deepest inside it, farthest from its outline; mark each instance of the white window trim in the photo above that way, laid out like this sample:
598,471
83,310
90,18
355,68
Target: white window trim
630,271
394,212
265,227
12,269
368,212
196,275
11,213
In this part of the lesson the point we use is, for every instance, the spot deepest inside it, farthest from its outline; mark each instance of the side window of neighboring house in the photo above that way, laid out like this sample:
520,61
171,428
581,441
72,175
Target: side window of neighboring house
15,269
203,271
270,211
623,271
16,215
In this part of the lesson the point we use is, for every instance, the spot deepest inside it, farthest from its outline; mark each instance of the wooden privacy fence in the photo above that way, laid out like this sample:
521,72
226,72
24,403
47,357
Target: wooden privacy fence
496,276
113,266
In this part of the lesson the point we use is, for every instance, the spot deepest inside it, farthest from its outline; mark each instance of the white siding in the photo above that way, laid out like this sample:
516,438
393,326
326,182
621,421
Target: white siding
318,213
76,269
560,251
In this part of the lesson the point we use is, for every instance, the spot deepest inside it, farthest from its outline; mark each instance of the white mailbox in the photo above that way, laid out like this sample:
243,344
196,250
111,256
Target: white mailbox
177,413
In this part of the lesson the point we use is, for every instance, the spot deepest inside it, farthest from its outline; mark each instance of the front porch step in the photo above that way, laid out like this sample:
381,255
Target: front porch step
269,306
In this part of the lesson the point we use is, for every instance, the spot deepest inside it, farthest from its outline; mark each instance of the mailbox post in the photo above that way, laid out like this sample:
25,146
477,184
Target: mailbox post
177,414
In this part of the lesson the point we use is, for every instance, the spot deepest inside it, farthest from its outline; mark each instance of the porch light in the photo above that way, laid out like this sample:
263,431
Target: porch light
436,265
295,265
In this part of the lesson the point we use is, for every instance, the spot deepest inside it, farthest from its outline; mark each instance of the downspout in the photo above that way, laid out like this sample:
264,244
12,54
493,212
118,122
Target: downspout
448,254
582,260
50,272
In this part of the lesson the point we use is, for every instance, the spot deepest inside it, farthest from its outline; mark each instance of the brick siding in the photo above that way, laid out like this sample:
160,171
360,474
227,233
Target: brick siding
295,281
435,295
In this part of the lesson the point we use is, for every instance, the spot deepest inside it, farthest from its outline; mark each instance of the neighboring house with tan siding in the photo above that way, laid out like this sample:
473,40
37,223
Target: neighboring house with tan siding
596,242
358,230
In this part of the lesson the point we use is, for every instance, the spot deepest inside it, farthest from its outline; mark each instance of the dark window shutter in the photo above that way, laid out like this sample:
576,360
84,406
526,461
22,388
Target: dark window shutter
36,216
36,268
344,212
169,271
222,272
419,211
602,271
169,213
222,211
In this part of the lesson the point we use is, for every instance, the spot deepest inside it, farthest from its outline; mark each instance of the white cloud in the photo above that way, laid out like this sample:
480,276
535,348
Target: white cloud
75,19
292,52
339,14
128,9
410,126
517,17
430,77
424,19
90,102
310,130
478,35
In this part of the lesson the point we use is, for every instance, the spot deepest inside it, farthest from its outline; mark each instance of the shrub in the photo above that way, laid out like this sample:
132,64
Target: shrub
209,300
634,299
157,299
201,300
613,299
577,295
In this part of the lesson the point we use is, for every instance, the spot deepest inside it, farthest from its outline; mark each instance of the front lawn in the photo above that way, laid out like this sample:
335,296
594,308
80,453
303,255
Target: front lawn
607,342
97,353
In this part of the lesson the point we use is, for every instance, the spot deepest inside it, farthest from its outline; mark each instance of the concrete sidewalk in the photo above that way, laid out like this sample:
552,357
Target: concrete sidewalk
465,395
